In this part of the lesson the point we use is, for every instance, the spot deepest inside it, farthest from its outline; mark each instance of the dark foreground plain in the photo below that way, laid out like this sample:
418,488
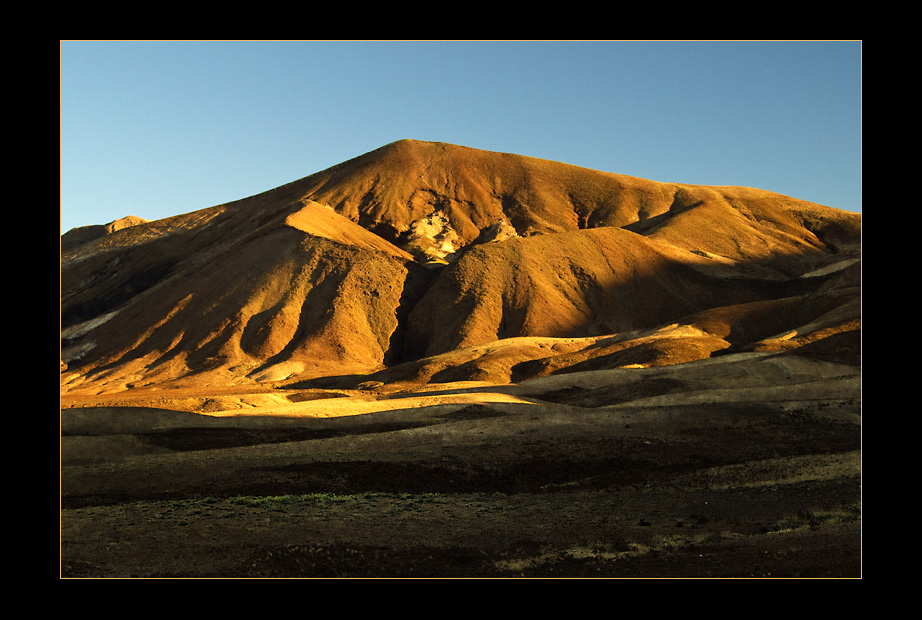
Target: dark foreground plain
552,478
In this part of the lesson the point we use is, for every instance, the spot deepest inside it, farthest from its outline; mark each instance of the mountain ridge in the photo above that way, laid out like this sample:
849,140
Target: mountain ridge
417,249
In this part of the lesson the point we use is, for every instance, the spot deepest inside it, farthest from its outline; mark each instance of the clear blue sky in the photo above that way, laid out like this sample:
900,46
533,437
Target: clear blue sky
160,128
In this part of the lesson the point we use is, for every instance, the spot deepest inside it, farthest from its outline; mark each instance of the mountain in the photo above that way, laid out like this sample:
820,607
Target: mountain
422,262
83,234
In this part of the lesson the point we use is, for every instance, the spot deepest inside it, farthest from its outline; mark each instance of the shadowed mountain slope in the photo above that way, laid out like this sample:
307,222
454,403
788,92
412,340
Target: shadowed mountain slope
419,250
569,284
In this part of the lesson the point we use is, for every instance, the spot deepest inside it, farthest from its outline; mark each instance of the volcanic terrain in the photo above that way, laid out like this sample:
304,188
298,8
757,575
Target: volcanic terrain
437,361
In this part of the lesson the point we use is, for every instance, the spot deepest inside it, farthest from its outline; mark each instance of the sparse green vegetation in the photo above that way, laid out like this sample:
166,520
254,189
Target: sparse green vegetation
814,519
277,501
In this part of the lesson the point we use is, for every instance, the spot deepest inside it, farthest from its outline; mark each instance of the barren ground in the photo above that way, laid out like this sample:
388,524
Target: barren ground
673,472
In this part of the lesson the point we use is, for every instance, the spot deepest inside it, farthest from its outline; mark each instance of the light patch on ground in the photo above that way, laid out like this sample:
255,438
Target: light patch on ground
434,237
75,331
349,406
831,268
279,372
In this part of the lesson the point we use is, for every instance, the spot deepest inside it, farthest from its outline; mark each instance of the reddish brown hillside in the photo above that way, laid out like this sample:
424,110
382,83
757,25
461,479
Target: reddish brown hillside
391,189
291,297
325,275
572,284
400,185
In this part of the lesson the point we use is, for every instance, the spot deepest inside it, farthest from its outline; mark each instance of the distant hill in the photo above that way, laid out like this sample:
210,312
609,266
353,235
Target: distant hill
83,234
423,260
